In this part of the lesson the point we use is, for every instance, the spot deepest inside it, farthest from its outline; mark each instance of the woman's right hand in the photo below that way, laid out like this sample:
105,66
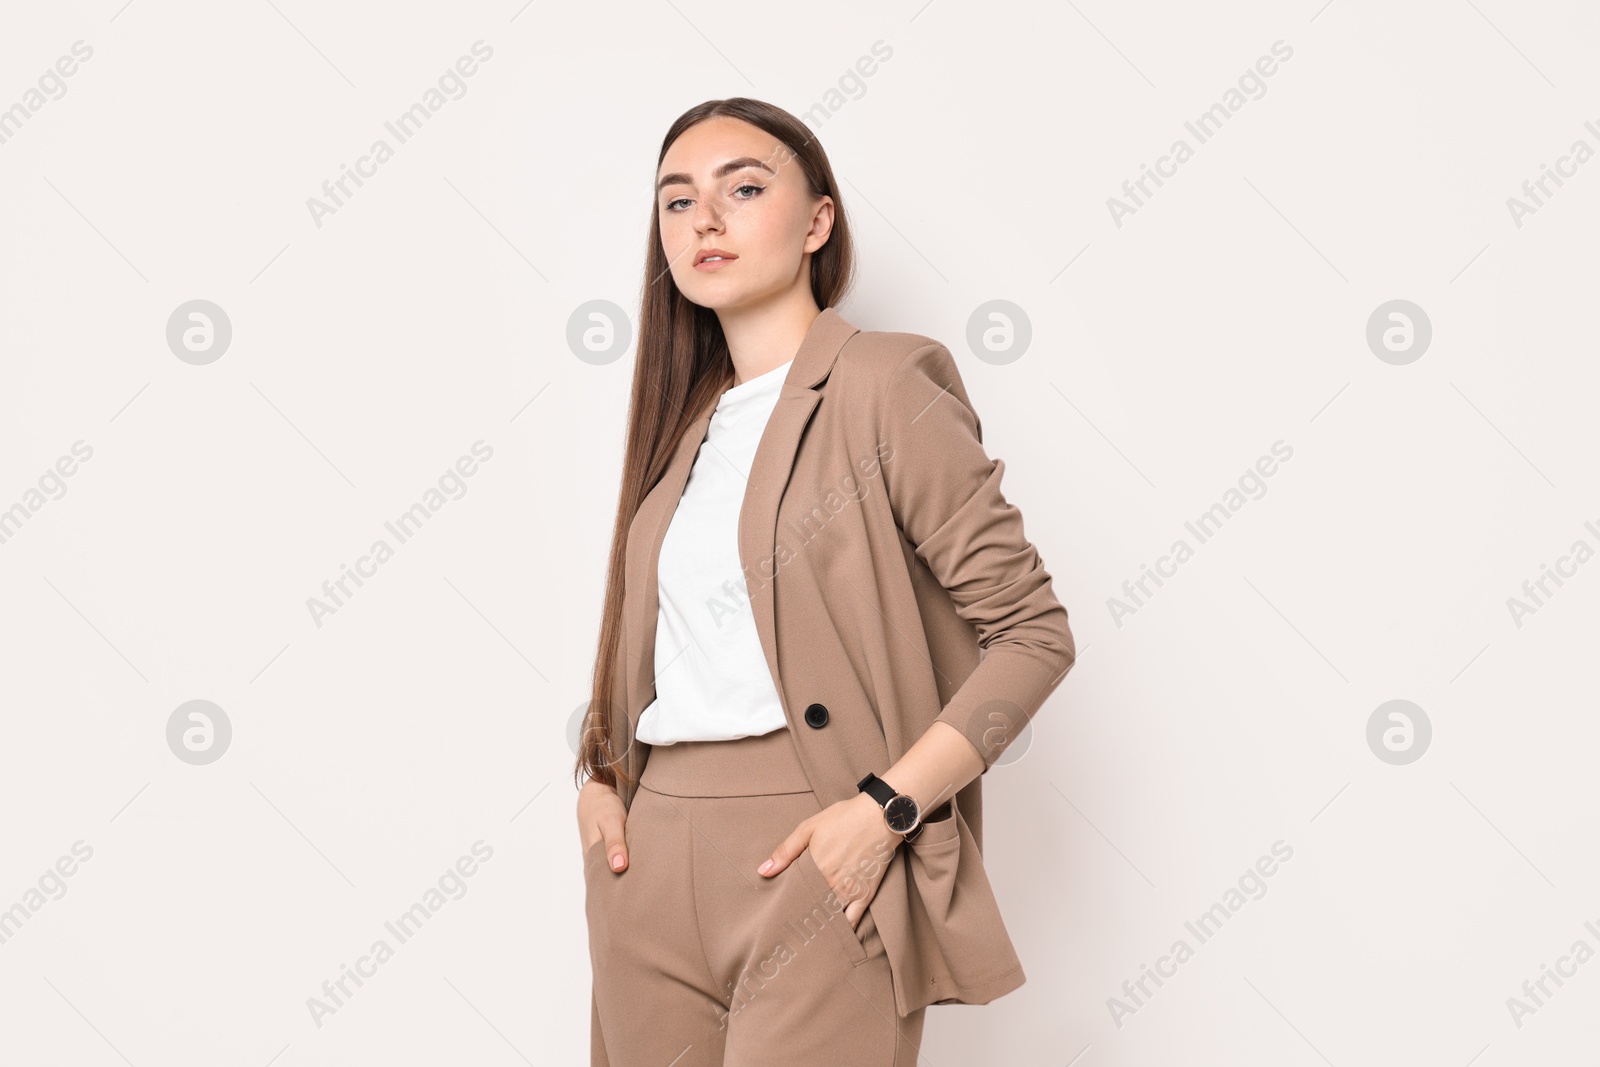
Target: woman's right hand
601,814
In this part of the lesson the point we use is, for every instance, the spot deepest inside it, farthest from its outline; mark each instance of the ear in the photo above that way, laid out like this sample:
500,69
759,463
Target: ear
821,224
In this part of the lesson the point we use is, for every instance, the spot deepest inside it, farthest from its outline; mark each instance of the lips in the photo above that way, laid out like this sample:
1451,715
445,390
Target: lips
713,254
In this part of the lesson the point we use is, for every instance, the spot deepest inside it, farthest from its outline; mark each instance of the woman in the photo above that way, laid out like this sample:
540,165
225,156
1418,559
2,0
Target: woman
781,817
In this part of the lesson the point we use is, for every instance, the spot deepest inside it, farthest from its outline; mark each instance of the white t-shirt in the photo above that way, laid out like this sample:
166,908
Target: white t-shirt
712,679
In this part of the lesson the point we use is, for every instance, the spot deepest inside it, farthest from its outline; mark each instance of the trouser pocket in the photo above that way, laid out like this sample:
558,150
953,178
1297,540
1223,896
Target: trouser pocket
826,908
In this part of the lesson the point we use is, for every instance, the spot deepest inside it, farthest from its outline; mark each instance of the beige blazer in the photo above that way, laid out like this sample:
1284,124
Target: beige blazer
880,556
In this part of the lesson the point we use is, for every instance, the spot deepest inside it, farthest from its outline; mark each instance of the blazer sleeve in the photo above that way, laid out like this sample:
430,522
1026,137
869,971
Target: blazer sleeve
944,490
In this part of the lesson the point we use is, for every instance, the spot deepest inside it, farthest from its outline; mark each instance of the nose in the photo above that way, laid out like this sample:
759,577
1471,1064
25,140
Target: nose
707,219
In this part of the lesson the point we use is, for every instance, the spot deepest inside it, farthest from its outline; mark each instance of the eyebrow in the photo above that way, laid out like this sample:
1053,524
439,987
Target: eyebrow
721,172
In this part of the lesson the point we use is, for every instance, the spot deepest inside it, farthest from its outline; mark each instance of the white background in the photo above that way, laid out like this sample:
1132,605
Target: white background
1169,353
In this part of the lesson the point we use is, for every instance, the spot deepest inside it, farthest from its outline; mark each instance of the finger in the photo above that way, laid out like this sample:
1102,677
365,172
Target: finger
617,849
853,911
787,850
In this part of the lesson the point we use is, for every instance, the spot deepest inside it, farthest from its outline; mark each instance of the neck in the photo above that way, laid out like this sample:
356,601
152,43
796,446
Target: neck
763,337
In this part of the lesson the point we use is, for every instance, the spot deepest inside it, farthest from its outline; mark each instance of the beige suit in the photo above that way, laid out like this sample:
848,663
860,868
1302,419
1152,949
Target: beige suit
880,555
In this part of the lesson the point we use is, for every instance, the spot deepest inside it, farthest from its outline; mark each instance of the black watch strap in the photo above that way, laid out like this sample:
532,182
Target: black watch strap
883,792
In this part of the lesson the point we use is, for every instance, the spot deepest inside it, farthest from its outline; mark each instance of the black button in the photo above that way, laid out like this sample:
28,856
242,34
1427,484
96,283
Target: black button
817,716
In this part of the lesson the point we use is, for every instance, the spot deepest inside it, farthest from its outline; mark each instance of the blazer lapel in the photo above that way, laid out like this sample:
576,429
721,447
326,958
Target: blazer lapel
758,514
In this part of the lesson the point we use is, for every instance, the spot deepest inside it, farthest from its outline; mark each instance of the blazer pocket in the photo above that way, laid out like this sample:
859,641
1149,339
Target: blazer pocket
938,835
960,935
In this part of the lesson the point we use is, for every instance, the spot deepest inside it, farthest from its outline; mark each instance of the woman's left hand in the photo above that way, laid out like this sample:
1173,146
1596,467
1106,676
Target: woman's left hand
850,844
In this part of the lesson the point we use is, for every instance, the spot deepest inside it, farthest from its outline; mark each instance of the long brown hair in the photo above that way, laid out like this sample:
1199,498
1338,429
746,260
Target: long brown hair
682,362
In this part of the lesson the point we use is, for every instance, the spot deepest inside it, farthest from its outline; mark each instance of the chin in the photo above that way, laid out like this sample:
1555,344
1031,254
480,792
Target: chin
714,299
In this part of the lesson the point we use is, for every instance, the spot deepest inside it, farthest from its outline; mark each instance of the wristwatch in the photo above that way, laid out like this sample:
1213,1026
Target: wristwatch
900,811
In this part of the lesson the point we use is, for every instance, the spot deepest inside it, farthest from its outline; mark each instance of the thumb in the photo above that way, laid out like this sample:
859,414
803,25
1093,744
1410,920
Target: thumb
786,852
616,849
613,841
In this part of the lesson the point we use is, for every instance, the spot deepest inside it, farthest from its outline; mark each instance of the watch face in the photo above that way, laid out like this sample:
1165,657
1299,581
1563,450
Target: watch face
901,814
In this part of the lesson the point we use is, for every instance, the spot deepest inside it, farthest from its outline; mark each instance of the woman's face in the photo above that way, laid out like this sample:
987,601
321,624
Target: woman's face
728,186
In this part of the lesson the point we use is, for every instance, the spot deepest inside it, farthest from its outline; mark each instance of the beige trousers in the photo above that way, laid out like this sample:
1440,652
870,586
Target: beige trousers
698,960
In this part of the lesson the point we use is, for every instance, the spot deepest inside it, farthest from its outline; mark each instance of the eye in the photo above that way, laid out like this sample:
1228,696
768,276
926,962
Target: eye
742,188
677,200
